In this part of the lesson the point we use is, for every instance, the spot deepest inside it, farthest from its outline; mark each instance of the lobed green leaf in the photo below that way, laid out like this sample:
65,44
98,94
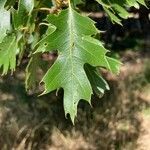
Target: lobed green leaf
76,47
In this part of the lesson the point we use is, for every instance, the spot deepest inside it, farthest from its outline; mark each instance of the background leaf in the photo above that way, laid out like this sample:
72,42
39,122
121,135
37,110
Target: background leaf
116,9
23,13
5,24
8,51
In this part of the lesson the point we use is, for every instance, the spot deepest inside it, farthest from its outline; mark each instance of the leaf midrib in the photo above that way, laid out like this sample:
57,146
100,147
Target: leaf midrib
71,46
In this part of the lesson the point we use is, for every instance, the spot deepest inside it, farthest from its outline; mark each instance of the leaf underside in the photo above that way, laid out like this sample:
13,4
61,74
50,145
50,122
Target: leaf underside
5,24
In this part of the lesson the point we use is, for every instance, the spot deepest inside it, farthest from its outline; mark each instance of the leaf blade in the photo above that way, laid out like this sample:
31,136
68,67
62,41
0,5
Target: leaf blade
76,47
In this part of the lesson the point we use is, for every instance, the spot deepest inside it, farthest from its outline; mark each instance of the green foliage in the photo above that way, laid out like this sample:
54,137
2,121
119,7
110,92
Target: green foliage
74,44
23,13
8,51
5,20
116,9
68,32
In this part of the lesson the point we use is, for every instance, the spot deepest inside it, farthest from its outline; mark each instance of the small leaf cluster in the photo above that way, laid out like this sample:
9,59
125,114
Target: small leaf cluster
117,9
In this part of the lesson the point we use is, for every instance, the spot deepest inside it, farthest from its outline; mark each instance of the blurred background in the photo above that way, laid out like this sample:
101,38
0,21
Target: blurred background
120,120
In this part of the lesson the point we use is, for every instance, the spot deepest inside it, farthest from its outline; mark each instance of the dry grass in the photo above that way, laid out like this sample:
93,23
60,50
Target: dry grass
114,123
